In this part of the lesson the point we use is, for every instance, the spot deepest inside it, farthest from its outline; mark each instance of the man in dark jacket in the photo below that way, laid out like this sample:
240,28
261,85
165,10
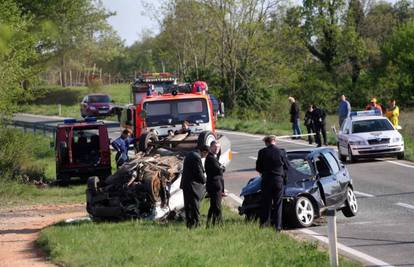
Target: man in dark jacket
319,121
192,184
121,146
270,165
214,184
294,117
309,123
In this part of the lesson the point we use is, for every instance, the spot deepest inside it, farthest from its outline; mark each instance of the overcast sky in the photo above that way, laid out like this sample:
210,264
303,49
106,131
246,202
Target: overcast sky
132,18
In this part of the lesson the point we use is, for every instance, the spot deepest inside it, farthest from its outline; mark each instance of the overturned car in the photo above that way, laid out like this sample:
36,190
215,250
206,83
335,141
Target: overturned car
146,187
316,180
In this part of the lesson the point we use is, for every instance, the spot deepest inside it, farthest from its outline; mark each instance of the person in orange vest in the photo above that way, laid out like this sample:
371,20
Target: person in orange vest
373,105
393,113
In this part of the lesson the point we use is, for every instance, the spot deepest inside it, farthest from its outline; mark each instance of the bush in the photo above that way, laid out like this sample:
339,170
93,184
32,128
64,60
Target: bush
20,154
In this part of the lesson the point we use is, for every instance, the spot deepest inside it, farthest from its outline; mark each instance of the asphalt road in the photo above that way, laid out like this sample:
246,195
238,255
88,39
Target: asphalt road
383,228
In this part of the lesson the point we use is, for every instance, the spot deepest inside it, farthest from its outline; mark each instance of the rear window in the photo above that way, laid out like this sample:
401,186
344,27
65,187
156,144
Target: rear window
99,99
371,126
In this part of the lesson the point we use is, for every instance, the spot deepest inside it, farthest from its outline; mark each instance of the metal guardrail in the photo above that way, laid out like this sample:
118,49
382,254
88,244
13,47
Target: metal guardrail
35,127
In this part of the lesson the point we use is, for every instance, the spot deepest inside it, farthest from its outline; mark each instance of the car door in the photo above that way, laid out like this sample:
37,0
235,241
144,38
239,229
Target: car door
339,174
343,137
327,180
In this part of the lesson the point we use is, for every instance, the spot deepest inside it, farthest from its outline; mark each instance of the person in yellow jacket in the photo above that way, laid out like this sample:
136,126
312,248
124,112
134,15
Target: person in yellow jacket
393,113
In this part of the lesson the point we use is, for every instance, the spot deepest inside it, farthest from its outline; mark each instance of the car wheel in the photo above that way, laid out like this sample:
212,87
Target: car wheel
145,141
341,157
62,180
304,212
205,138
351,157
351,204
400,155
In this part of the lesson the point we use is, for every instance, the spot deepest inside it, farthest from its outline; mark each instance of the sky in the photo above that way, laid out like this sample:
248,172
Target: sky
131,19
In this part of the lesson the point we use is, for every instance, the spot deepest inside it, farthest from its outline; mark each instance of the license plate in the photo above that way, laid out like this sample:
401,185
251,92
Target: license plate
102,111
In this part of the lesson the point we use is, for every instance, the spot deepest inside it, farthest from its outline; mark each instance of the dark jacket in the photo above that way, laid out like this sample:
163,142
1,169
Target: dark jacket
193,177
294,112
214,172
270,162
308,121
319,116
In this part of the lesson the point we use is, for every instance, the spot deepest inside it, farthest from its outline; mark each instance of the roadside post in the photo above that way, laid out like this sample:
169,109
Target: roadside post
60,109
333,248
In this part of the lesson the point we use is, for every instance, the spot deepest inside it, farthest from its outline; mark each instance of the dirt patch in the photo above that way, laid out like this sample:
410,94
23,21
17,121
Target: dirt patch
20,227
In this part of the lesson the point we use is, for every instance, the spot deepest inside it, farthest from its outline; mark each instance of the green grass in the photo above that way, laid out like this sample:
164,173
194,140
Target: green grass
146,243
46,99
16,194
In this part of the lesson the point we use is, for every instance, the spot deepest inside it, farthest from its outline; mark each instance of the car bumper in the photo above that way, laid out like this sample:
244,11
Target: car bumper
377,150
98,112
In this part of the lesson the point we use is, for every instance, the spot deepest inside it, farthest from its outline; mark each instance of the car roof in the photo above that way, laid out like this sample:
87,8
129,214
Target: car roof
311,151
365,118
179,96
98,94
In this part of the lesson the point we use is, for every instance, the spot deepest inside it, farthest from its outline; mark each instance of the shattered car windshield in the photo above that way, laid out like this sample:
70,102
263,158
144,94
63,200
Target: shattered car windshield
301,165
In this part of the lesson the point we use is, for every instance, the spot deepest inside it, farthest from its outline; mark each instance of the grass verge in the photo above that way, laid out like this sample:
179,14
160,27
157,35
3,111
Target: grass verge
146,243
15,194
47,99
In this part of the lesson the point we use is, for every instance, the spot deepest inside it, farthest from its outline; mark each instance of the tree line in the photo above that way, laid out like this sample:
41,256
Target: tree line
254,53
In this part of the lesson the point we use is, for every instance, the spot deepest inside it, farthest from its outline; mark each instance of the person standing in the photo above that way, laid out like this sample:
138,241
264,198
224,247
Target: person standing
192,184
373,105
214,184
393,113
121,145
319,121
270,166
344,110
308,121
294,117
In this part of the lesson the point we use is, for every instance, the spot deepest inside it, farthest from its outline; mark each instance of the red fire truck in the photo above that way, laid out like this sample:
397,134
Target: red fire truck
161,105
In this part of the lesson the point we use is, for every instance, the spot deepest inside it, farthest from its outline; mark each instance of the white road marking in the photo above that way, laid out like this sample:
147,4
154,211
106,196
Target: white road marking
260,137
253,158
400,164
234,152
408,206
236,198
363,194
356,253
324,239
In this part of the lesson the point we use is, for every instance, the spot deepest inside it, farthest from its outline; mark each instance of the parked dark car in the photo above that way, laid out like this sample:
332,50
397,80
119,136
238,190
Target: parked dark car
96,105
316,180
82,150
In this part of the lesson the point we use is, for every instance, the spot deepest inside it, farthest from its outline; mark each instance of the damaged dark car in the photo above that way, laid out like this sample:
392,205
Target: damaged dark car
316,180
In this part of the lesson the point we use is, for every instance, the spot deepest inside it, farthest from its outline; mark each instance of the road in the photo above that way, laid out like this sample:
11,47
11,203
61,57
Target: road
383,228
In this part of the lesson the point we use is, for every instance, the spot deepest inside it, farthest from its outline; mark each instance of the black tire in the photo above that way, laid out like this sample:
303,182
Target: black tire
351,204
352,158
400,156
341,157
303,214
62,179
205,138
145,141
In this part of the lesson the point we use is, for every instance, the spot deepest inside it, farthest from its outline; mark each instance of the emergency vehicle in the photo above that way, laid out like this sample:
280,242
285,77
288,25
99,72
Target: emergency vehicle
161,105
367,134
82,150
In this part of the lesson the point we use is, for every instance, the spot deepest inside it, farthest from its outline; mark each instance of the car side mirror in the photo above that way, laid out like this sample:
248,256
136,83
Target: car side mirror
143,114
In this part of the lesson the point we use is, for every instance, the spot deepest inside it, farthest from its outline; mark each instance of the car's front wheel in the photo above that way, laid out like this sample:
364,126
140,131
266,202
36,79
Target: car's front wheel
304,212
351,204
341,157
351,157
400,156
